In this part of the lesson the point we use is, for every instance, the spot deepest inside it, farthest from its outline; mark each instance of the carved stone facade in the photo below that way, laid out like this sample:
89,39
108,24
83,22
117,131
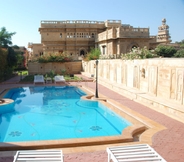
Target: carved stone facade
111,36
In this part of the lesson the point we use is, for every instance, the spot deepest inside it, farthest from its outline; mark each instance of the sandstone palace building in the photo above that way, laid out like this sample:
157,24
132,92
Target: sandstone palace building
111,36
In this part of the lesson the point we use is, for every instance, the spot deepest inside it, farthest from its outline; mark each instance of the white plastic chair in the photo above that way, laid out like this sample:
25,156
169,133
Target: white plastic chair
133,153
38,156
59,79
39,79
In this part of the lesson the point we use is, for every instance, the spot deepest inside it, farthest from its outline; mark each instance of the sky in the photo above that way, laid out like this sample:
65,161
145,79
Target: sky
24,17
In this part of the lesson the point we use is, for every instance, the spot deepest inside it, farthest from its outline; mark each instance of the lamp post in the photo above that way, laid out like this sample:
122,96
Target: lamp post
20,75
96,94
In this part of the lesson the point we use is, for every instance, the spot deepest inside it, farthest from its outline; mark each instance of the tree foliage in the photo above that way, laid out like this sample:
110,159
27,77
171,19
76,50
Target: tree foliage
20,59
179,53
11,57
181,42
3,63
5,69
7,55
165,51
5,38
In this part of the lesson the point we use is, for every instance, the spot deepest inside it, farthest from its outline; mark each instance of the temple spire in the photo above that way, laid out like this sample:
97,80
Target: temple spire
163,33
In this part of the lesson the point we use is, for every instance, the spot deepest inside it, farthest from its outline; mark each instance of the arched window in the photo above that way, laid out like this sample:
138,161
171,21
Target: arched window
103,50
60,51
82,53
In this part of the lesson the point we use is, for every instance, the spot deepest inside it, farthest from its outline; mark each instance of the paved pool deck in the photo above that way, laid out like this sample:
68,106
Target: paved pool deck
169,143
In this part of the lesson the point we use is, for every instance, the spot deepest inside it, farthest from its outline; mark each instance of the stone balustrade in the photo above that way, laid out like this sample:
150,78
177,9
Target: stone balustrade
122,33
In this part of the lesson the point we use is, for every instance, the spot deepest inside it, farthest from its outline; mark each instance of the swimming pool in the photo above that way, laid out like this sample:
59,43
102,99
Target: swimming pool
56,112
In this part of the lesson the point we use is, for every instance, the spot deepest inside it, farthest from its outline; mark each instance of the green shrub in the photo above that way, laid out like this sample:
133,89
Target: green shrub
139,53
63,71
28,78
165,51
54,57
93,54
51,74
179,53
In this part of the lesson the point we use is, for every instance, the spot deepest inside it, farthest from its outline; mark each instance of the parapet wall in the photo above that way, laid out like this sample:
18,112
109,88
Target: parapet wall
156,82
72,24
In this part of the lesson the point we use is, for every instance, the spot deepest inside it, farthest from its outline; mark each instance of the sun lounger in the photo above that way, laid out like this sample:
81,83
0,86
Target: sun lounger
39,155
133,153
59,79
39,79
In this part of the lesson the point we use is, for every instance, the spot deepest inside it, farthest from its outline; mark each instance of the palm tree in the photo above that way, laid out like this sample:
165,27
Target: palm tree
5,38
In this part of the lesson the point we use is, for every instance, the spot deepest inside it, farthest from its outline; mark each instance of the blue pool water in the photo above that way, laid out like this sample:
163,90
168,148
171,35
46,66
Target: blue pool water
50,113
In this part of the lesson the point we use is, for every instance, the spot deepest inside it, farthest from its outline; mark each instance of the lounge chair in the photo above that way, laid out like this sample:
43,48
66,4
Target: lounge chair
133,153
59,79
39,155
39,79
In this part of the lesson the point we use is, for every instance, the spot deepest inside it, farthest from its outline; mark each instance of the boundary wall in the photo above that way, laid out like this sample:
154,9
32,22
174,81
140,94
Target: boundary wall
43,68
157,83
